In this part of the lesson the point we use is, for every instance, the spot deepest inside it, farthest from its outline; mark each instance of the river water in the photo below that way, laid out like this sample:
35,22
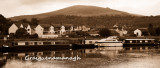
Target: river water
101,57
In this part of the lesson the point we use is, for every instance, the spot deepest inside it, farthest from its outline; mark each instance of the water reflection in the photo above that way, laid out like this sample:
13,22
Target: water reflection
100,57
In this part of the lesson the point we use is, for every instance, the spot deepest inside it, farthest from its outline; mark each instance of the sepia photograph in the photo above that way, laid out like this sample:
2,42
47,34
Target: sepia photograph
79,33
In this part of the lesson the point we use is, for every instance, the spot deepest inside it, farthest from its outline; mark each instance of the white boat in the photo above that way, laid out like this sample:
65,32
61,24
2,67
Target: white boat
111,41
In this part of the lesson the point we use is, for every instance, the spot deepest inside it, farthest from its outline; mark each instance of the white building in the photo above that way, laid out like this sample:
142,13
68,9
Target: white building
138,33
46,30
121,31
62,30
141,32
51,31
12,29
39,30
29,29
21,26
15,27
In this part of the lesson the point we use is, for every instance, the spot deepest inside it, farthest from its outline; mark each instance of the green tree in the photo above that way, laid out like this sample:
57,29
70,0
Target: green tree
151,29
21,33
33,36
157,30
34,21
3,20
3,24
24,21
104,32
73,35
82,33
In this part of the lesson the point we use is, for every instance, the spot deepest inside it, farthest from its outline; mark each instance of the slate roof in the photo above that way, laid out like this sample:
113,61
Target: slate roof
56,26
19,24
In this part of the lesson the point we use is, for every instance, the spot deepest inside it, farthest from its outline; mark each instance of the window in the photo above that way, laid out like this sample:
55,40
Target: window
31,43
90,41
40,43
146,41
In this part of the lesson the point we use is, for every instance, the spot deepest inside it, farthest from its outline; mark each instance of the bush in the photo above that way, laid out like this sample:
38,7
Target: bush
73,35
21,33
104,32
33,36
82,33
157,30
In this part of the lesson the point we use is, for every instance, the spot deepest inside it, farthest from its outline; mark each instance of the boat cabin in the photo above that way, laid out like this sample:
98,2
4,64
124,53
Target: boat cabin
19,43
139,41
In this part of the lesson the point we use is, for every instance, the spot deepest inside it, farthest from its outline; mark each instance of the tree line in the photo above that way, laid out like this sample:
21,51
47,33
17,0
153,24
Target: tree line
103,21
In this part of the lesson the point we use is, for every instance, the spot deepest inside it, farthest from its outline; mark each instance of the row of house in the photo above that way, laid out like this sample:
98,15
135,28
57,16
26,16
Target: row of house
47,30
56,30
123,30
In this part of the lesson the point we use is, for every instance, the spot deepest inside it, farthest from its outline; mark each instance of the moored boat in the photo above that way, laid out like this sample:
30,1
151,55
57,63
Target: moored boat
30,43
111,41
139,42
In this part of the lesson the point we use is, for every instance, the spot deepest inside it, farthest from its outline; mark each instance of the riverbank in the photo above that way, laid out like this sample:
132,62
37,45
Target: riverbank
45,47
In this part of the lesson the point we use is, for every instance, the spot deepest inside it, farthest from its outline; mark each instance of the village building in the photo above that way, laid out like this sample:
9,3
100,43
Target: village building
47,30
138,33
120,30
141,32
14,27
39,30
81,28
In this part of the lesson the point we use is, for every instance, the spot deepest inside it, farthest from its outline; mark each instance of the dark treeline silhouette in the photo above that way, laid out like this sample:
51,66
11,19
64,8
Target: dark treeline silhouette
34,21
104,21
4,25
104,32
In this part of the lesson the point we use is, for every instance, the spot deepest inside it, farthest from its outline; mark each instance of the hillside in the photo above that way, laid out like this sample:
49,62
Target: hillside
104,21
78,10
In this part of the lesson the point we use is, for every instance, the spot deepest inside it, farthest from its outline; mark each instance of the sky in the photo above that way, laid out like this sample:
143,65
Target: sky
10,8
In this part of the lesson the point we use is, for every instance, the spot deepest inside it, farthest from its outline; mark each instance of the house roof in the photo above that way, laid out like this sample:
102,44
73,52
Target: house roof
56,26
45,25
19,24
33,26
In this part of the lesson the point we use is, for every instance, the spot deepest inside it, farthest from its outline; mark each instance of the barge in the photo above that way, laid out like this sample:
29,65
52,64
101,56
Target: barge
31,43
44,45
140,42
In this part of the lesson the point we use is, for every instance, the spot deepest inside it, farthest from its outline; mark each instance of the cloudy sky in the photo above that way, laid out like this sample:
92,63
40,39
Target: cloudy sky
10,8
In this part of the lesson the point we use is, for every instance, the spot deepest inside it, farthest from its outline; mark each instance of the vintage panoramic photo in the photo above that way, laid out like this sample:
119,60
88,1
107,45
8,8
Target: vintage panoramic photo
79,34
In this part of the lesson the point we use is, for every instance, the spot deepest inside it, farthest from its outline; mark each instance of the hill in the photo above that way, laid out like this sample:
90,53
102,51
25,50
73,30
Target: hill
78,10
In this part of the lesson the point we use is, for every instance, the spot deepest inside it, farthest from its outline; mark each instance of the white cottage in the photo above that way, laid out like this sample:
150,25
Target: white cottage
13,29
138,32
51,31
15,26
62,30
71,29
21,26
39,30
29,29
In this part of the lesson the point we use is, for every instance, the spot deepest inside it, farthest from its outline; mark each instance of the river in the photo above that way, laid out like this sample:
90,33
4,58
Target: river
101,57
